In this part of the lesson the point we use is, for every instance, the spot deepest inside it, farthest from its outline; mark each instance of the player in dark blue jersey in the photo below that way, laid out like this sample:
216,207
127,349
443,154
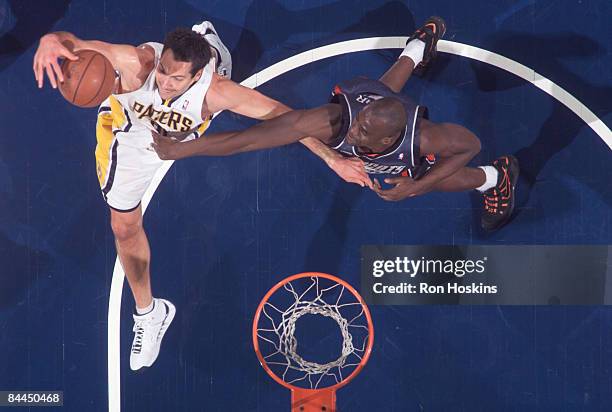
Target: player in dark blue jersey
370,120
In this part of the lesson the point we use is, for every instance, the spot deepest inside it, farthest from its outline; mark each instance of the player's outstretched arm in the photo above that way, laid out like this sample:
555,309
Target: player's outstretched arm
126,59
287,128
227,95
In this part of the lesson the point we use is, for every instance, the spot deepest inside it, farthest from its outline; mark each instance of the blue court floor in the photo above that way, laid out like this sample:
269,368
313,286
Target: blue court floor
225,230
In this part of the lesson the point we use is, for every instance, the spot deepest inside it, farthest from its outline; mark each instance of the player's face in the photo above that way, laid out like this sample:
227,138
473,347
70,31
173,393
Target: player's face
366,135
173,77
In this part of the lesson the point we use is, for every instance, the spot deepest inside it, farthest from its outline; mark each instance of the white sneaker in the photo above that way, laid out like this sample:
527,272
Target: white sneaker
221,53
149,331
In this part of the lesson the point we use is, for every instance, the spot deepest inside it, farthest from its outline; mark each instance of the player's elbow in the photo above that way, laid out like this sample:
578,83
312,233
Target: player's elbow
473,144
465,142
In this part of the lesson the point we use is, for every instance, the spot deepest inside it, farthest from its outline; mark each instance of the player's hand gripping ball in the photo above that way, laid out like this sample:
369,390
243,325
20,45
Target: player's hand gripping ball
89,80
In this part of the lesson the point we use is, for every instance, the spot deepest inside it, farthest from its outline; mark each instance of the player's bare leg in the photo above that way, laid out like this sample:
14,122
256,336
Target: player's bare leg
153,316
397,76
466,178
134,253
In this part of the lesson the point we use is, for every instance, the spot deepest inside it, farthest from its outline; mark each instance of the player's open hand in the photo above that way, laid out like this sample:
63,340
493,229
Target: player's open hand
165,146
403,188
352,170
49,51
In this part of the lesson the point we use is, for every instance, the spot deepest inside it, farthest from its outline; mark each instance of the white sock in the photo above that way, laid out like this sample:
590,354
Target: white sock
490,178
144,311
414,50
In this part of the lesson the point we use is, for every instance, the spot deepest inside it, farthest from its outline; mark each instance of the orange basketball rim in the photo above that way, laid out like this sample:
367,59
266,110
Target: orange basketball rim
316,294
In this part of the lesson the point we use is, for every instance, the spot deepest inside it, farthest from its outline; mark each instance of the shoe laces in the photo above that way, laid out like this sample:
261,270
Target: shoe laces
139,330
496,199
491,200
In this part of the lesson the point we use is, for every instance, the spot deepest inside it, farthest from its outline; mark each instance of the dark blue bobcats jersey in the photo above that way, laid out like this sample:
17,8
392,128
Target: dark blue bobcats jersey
403,156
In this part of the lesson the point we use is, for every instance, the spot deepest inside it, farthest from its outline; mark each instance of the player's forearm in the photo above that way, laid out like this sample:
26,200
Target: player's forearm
462,152
317,147
265,135
208,145
277,109
443,168
327,154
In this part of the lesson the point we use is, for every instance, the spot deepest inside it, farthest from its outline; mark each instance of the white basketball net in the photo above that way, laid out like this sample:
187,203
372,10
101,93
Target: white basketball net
334,302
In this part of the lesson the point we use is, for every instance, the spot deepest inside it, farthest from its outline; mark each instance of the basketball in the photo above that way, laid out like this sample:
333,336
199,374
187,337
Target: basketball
87,81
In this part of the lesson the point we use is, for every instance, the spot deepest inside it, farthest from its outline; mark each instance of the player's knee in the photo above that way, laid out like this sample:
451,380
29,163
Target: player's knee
125,228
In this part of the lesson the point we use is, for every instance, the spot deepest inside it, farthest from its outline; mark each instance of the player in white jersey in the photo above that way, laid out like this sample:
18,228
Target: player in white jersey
172,89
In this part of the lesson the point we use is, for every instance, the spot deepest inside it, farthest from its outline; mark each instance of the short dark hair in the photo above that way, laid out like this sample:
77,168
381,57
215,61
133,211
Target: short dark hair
188,46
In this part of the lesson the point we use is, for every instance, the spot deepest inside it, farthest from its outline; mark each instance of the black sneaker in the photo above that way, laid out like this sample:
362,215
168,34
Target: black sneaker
499,200
432,31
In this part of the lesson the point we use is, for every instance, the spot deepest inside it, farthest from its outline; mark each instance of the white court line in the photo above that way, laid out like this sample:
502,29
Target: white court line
302,59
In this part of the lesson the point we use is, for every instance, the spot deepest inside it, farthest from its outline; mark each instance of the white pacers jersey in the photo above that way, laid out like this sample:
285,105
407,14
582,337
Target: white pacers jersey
126,164
143,110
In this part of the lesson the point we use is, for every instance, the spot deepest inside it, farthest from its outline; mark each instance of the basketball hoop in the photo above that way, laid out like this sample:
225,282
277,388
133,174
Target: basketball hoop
313,384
